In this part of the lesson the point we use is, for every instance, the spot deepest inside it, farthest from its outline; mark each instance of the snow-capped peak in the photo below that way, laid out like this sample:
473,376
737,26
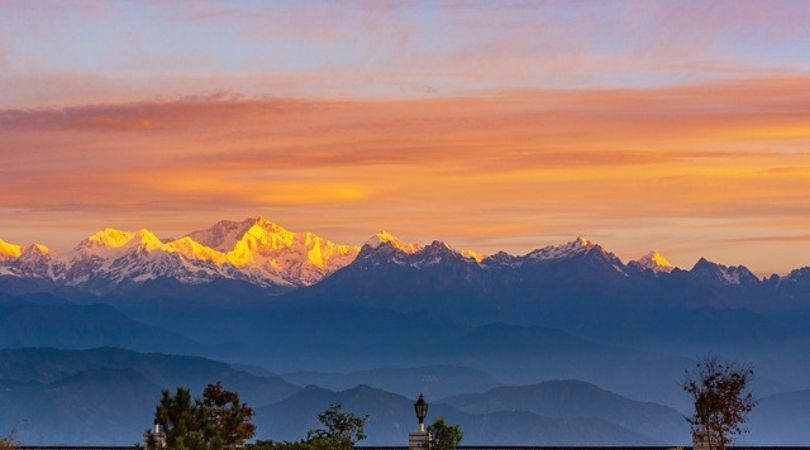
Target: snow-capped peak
227,236
109,237
581,242
384,237
32,261
269,251
193,250
255,250
224,234
9,250
575,247
146,239
37,249
656,262
115,239
728,275
478,257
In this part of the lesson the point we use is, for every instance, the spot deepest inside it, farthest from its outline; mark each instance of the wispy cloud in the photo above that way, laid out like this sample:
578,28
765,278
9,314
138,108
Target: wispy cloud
536,162
683,123
386,49
780,238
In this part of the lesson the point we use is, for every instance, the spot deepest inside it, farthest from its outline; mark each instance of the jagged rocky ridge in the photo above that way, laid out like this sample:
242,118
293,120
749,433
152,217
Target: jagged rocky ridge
254,250
264,254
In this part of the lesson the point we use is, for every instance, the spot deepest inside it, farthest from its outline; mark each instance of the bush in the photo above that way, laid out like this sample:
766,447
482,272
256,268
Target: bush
445,437
341,431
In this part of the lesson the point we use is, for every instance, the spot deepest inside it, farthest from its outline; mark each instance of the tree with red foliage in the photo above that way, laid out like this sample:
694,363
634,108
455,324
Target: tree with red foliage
721,401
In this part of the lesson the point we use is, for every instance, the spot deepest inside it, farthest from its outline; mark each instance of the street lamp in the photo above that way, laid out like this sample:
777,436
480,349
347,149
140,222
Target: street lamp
421,438
421,408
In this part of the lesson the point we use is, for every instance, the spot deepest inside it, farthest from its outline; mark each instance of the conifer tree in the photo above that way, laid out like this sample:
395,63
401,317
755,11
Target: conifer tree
217,421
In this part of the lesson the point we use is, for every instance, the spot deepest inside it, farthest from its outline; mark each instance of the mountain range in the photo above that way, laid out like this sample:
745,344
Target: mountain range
372,325
238,285
254,250
265,254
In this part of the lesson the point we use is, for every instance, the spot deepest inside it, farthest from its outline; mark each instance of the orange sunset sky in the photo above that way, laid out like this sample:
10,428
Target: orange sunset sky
678,126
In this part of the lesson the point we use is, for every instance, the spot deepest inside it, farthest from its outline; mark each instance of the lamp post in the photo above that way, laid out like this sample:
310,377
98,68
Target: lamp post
421,408
421,438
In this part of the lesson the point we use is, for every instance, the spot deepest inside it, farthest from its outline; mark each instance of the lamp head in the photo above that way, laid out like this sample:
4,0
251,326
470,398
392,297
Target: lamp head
421,408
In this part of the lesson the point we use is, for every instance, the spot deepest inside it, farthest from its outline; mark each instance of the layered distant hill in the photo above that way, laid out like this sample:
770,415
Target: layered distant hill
433,381
571,398
391,418
45,321
105,395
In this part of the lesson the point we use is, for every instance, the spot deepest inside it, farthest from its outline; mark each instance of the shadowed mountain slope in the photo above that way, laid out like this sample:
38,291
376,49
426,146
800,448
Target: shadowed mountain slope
391,417
107,396
572,398
46,321
433,381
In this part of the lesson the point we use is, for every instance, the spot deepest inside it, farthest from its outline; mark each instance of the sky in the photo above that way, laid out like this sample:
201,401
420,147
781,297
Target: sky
678,126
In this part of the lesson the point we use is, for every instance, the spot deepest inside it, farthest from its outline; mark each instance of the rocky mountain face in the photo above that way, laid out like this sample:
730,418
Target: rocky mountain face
253,250
393,274
653,261
266,251
264,255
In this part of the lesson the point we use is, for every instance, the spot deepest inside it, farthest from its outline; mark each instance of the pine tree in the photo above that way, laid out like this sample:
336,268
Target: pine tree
217,421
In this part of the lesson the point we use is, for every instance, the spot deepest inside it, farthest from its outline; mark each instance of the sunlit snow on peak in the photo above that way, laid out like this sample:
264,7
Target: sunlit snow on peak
384,237
656,262
9,250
